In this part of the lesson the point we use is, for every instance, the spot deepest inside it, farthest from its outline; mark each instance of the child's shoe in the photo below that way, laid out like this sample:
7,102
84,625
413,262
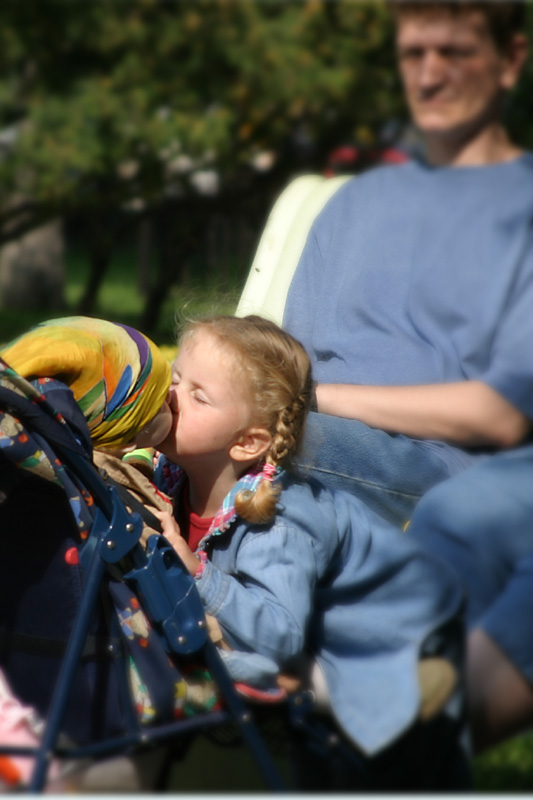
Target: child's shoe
438,679
18,727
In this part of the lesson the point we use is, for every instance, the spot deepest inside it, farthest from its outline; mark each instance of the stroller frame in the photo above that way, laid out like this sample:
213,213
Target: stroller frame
169,599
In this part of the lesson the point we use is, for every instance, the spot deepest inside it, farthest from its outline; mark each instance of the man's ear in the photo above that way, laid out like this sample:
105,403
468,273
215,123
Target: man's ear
251,445
515,57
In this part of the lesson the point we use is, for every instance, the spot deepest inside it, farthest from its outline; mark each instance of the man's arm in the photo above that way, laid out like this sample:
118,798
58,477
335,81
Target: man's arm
469,413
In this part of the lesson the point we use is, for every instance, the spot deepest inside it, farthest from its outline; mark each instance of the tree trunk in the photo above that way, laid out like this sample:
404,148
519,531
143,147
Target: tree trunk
176,245
100,258
145,240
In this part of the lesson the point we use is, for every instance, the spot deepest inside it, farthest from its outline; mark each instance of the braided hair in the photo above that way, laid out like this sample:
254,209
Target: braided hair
277,372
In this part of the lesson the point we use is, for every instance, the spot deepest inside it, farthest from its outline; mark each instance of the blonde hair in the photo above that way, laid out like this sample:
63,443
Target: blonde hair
277,371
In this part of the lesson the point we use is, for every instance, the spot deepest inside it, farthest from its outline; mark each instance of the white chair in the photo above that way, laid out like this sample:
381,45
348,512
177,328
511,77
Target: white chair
281,244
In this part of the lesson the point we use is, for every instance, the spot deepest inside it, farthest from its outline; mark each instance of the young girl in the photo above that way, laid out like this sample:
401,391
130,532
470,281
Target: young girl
290,569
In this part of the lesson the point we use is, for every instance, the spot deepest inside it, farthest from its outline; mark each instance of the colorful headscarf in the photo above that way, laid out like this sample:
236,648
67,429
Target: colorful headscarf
118,376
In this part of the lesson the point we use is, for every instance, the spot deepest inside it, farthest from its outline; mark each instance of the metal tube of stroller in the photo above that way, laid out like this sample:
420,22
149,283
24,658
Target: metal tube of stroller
66,674
243,719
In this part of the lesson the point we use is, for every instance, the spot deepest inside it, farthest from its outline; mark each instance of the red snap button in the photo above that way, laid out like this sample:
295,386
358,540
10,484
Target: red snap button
72,556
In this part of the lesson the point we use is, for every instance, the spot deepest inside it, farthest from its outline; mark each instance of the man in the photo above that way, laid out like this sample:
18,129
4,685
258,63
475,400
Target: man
413,295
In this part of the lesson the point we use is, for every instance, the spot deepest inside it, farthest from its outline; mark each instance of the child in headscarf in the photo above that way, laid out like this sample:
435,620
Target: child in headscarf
119,380
119,377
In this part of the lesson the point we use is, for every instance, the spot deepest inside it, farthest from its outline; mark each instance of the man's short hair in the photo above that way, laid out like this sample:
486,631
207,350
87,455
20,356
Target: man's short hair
504,19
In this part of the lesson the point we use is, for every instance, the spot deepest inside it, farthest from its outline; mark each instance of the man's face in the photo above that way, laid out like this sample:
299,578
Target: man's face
453,72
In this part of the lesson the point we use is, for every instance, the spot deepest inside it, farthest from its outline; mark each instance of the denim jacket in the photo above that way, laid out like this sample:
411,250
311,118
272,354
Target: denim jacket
330,578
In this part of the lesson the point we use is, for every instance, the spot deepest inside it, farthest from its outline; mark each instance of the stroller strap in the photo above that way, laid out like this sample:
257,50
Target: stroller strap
32,414
135,505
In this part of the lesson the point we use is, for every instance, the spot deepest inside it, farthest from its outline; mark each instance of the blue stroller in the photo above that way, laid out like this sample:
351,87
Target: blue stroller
73,578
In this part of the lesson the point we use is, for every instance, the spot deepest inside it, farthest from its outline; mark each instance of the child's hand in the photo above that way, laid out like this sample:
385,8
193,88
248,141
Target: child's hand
172,534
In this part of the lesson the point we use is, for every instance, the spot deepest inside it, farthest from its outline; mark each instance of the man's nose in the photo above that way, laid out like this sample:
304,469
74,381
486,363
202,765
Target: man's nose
432,70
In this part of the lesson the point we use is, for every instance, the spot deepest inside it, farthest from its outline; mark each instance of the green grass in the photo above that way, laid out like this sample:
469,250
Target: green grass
507,768
121,300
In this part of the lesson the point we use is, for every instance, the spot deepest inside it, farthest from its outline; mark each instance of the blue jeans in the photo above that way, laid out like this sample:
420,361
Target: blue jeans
388,472
481,523
430,756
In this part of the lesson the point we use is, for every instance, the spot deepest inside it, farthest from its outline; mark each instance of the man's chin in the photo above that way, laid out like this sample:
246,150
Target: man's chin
439,129
449,130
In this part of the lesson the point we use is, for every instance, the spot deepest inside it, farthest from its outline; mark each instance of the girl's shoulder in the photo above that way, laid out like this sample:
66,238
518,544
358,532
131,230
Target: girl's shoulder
304,504
306,495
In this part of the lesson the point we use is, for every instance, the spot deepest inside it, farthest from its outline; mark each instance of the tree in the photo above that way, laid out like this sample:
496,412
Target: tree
111,110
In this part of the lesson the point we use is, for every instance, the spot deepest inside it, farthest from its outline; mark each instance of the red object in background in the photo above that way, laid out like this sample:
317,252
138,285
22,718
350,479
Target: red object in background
349,158
391,155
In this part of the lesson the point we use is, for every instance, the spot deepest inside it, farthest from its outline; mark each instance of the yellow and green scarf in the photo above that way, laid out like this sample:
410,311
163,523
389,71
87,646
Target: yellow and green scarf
117,375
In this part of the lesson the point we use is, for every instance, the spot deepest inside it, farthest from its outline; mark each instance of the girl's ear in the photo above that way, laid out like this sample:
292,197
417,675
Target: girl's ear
251,445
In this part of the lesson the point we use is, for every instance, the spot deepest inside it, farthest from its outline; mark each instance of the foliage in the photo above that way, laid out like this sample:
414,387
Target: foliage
176,110
125,104
120,104
121,300
506,768
520,108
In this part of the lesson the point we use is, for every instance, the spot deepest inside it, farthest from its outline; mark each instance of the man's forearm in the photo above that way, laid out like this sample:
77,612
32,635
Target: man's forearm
469,413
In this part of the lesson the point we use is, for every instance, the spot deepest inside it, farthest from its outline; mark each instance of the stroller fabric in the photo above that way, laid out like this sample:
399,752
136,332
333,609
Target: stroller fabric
46,514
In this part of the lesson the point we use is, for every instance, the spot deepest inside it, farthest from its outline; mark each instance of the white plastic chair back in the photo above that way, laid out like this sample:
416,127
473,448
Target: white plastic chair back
281,244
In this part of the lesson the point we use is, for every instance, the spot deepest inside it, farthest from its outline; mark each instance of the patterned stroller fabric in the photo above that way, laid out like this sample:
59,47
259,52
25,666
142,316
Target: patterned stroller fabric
33,453
159,689
84,606
45,515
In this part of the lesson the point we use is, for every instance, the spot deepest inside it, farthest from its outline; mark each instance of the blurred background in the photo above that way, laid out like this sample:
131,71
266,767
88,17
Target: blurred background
143,143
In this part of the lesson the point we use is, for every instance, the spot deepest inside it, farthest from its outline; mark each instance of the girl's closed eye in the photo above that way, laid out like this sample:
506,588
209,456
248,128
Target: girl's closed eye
199,397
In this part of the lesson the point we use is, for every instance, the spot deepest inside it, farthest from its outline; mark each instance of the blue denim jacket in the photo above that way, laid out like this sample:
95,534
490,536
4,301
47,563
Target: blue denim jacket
330,578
